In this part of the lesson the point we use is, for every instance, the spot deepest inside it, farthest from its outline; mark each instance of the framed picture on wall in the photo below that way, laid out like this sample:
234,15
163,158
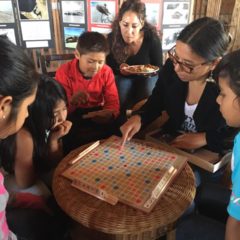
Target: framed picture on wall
71,35
73,21
101,14
36,26
169,37
73,12
154,12
33,10
176,15
10,33
8,25
6,12
176,12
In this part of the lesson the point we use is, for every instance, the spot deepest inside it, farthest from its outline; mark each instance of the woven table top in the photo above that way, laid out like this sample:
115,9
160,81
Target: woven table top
122,219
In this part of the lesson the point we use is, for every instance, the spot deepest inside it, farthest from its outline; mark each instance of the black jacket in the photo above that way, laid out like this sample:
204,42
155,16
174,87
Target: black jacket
149,53
170,94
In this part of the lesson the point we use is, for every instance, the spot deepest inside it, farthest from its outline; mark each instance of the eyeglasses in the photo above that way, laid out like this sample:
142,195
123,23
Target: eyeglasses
184,66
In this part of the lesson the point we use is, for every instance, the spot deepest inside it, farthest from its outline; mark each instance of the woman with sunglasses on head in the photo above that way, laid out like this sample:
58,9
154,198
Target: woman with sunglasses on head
133,41
187,91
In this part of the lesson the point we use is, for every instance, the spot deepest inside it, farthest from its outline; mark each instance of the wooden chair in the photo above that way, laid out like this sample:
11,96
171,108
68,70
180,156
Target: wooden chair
49,63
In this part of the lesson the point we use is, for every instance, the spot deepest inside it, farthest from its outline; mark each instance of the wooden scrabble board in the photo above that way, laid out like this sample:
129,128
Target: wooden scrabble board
138,175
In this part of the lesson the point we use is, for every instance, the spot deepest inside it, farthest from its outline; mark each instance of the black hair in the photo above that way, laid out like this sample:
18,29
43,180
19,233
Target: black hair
41,111
18,77
119,47
92,42
40,120
229,68
206,37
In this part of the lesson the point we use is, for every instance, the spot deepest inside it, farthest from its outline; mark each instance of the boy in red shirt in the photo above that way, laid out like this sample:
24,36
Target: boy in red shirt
91,90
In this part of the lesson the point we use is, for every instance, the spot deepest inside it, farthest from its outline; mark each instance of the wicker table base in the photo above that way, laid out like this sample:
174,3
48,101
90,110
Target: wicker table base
79,232
122,222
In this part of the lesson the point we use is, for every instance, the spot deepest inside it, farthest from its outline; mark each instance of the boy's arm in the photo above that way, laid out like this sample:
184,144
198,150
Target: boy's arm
110,94
232,229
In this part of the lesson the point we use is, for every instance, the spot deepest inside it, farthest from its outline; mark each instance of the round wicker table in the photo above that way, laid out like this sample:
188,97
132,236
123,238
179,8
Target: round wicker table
121,221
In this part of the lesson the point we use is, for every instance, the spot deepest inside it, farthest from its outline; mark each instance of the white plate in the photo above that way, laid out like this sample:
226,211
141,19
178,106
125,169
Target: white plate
141,69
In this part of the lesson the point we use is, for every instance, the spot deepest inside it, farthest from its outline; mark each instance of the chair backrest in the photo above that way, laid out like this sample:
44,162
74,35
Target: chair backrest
59,59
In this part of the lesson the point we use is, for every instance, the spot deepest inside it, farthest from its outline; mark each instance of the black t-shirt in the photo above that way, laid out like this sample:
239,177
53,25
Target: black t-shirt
149,53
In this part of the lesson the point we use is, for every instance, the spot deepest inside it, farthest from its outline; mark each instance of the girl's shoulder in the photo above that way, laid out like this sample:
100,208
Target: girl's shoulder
24,148
24,137
24,133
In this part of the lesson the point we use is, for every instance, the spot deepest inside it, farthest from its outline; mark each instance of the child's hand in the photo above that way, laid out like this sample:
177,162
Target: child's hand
189,141
101,116
80,97
60,130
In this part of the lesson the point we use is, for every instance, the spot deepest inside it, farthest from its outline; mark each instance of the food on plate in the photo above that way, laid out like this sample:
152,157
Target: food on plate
148,68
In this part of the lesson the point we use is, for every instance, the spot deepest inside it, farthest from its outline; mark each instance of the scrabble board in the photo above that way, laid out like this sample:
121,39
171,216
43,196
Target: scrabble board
138,175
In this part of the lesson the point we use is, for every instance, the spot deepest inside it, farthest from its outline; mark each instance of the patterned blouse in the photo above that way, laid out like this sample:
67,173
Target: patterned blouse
5,233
